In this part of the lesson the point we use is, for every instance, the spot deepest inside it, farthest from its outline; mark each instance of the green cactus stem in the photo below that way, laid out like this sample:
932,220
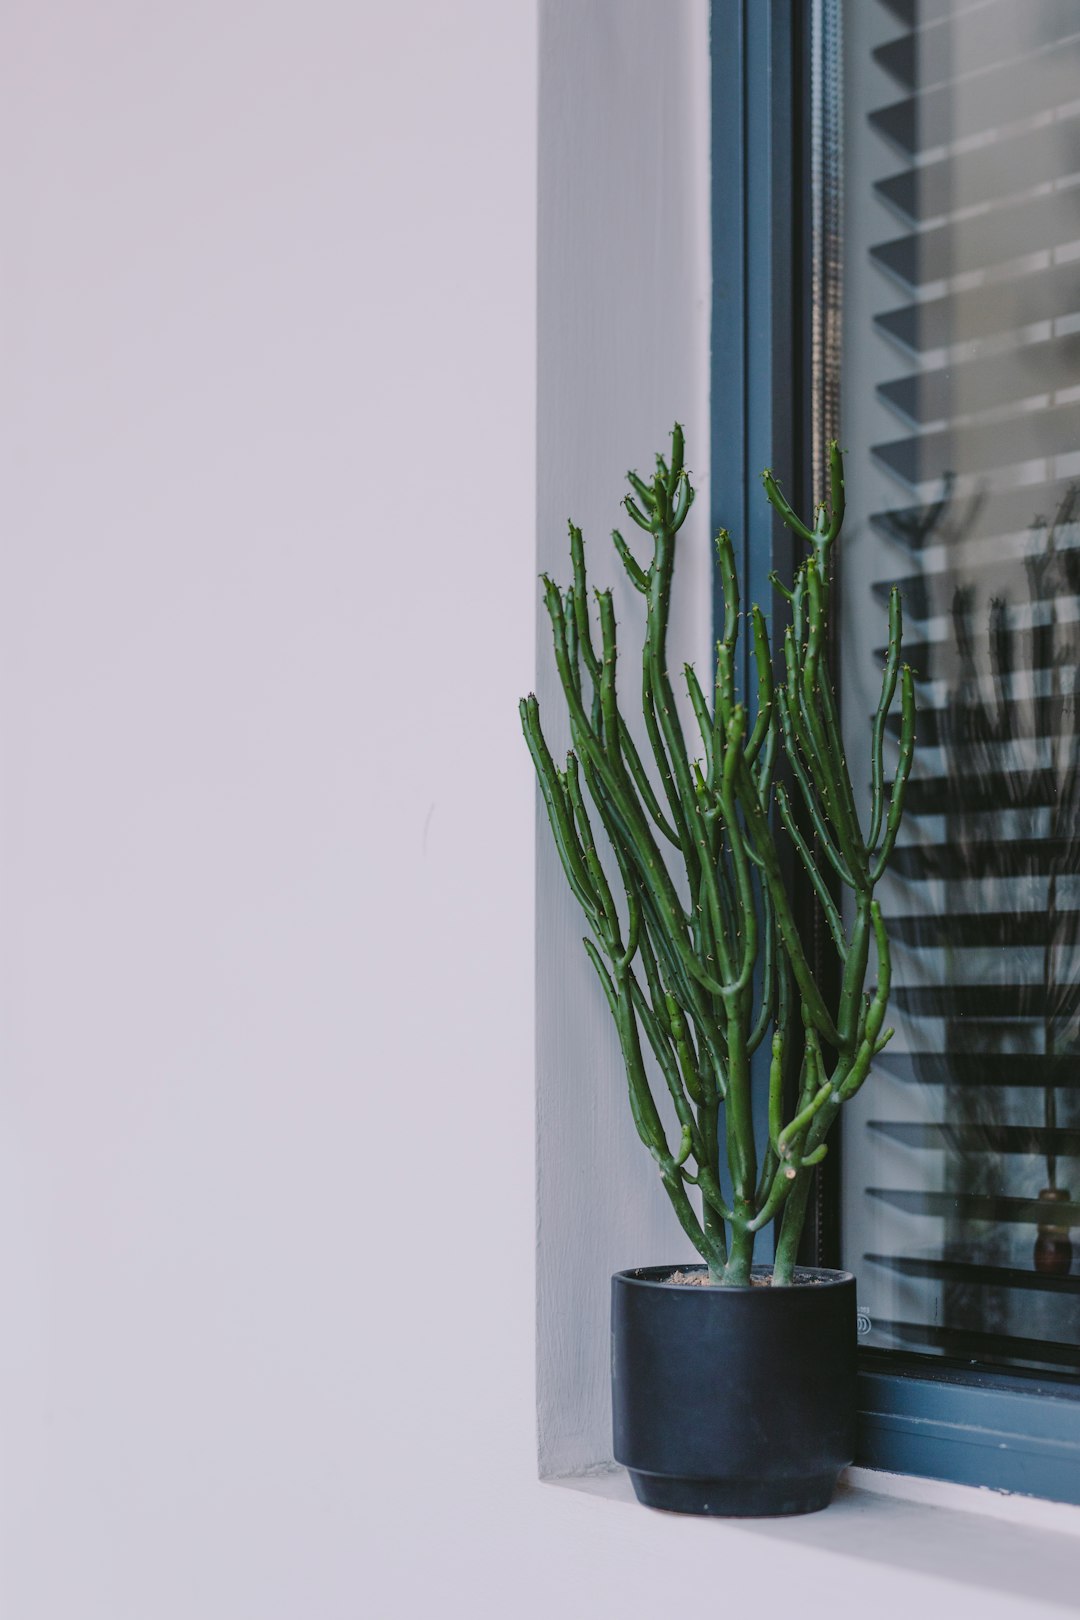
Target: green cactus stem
693,934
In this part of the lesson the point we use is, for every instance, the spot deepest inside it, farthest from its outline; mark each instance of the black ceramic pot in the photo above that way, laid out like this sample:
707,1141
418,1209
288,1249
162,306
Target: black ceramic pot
733,1401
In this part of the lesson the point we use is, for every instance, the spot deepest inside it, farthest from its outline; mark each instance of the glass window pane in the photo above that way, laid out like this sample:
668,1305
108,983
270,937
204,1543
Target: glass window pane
961,415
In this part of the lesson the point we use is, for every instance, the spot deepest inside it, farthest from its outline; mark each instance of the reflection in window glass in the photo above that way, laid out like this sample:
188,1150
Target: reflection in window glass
961,415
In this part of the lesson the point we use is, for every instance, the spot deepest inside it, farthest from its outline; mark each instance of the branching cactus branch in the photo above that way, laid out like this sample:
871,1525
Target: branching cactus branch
693,935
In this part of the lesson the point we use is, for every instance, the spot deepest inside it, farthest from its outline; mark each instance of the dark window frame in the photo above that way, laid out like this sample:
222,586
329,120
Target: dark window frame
918,1414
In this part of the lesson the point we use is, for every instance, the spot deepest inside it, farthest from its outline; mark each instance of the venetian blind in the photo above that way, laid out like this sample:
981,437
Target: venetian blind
962,392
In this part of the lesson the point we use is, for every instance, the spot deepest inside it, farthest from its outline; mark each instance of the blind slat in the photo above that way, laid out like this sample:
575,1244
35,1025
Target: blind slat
985,37
1024,373
978,1207
999,169
974,1271
1010,722
986,930
987,101
984,790
1012,1002
978,1069
991,310
973,1345
1030,436
1019,580
1007,516
956,859
986,241
988,1138
929,657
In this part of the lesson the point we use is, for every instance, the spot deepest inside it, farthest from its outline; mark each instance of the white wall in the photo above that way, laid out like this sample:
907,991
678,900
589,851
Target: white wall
267,599
266,606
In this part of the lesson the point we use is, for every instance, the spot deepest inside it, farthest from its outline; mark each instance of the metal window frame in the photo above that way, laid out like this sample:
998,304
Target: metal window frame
918,1415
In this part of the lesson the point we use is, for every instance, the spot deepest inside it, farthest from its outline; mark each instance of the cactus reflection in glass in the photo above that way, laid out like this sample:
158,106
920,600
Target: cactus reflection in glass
699,956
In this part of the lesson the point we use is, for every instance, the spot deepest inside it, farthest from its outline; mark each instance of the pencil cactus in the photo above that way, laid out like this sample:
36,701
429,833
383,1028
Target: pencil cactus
693,933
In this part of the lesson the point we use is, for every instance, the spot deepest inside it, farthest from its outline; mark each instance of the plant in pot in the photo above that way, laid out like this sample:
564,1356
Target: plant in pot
733,1384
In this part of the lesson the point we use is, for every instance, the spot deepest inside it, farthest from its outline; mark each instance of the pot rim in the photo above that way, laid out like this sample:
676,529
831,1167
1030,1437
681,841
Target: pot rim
655,1277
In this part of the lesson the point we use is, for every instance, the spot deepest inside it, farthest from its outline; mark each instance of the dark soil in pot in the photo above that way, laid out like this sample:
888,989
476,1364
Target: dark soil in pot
735,1401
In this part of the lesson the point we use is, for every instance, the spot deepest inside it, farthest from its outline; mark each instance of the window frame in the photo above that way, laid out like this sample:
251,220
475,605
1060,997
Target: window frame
918,1415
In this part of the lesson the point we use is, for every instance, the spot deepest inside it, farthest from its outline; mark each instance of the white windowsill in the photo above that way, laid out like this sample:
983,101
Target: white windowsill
1002,1543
